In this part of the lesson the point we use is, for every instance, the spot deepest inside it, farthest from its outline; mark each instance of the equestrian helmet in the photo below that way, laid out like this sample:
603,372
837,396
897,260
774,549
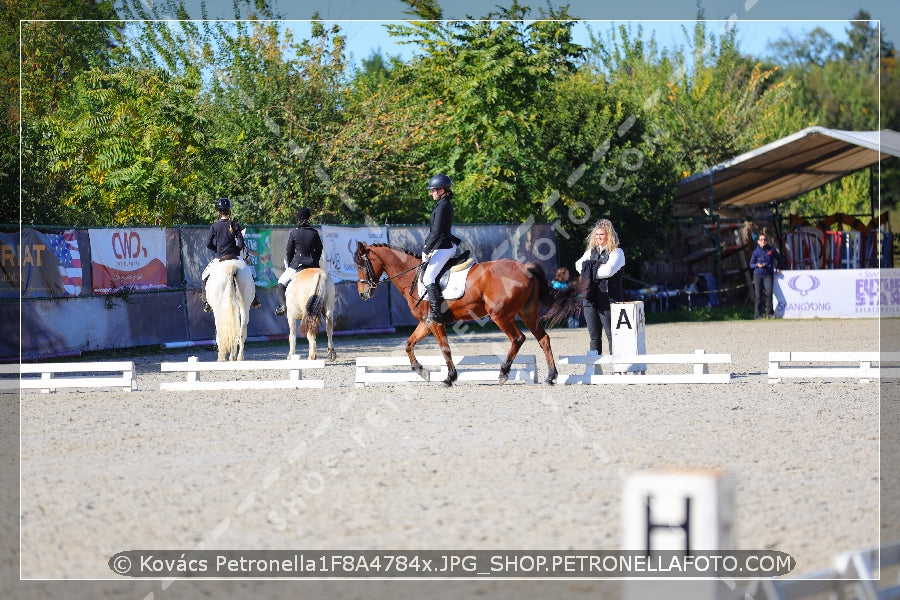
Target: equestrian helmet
223,204
439,182
303,215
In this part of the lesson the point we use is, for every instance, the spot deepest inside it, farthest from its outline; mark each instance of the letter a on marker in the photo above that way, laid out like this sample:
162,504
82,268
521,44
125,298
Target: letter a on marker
623,318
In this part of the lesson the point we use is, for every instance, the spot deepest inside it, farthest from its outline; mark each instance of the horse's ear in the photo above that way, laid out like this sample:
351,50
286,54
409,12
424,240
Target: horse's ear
360,247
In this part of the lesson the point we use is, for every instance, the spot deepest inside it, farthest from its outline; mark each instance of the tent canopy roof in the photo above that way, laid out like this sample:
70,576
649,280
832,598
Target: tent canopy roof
785,168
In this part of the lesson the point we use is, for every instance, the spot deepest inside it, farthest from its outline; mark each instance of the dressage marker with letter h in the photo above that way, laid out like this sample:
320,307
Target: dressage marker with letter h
678,510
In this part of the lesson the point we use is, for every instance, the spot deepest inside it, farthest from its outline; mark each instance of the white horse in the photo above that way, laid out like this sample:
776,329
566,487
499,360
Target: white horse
310,296
229,290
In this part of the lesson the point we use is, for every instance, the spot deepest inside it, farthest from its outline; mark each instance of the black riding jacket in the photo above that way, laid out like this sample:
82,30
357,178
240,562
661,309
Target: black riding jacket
441,220
225,238
304,248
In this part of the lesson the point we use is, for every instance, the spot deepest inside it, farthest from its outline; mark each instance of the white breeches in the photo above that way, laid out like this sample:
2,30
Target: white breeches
437,262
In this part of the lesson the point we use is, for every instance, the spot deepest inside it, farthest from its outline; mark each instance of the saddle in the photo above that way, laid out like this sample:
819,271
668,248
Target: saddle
451,278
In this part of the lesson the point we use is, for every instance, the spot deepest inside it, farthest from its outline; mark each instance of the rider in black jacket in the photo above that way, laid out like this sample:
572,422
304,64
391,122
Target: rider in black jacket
440,245
303,250
226,240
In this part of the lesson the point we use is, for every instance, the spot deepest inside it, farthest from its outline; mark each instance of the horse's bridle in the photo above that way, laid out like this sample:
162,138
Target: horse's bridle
370,272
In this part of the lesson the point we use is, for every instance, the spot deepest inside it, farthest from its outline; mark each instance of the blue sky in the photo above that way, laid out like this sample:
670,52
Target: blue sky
365,37
759,21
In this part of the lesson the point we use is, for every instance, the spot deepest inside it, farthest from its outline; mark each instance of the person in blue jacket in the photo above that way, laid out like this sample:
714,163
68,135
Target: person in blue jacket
765,262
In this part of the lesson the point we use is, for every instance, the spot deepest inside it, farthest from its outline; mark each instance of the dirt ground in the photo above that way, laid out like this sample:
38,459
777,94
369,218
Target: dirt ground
420,466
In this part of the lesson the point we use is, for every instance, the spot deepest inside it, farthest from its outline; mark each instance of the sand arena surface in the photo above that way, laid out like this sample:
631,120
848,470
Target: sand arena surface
474,466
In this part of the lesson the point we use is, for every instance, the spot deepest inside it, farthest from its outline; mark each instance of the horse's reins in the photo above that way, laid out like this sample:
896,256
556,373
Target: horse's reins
370,273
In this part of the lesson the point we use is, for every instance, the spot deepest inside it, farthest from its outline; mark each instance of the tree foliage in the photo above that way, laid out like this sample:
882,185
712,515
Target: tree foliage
838,82
49,42
132,149
147,122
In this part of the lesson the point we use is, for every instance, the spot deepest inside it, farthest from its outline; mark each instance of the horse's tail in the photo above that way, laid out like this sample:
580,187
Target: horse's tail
314,305
228,322
562,303
544,289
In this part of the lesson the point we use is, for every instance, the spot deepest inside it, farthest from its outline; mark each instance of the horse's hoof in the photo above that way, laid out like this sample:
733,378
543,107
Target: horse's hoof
503,378
549,381
332,355
448,383
422,372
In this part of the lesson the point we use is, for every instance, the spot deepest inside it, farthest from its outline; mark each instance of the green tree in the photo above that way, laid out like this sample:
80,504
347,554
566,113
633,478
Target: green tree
711,101
605,157
278,106
130,147
57,40
489,77
837,86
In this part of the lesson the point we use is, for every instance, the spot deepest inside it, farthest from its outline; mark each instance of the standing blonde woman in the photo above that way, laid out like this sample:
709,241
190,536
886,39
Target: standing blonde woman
601,266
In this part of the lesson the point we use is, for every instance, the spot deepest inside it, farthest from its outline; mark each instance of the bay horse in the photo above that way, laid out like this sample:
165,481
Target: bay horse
499,289
229,290
310,297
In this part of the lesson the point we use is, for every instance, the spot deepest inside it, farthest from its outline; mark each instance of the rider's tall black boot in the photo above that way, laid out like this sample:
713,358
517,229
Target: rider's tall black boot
435,300
282,308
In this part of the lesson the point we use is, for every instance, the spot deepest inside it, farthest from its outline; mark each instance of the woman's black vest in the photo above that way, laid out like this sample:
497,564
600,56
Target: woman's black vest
610,287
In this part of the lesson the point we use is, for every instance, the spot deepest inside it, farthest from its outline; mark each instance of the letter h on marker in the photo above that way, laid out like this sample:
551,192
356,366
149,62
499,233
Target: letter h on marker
684,525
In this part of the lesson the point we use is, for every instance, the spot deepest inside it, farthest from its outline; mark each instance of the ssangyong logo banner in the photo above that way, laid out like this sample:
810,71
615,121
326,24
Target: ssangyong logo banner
838,293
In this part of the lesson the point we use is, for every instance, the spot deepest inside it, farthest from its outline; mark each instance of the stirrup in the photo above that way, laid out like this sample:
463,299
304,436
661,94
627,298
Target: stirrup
256,303
207,307
281,310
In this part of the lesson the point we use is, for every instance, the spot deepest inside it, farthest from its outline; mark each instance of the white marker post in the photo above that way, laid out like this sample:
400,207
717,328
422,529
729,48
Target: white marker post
627,323
681,510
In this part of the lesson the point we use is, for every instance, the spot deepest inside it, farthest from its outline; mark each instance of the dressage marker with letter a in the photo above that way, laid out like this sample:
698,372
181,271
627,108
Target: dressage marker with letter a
627,321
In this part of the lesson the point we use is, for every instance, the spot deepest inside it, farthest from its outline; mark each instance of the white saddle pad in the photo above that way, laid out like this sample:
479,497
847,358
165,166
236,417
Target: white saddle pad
456,285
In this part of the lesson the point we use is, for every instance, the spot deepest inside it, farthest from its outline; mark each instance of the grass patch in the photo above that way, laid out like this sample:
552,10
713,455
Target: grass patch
706,313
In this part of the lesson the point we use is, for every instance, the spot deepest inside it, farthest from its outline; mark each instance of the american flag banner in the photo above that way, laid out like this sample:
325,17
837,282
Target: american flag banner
65,247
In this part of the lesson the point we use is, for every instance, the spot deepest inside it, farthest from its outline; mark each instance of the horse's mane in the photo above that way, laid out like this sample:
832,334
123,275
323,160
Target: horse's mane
397,248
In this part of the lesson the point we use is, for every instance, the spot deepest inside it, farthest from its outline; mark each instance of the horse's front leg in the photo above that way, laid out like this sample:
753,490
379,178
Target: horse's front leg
292,336
418,334
440,333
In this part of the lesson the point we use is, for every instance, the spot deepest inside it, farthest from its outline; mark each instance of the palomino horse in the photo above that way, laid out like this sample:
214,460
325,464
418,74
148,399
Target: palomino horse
310,296
229,290
499,289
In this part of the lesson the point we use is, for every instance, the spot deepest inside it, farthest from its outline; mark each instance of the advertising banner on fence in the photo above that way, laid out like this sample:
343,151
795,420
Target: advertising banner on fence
838,293
128,258
259,251
340,245
49,264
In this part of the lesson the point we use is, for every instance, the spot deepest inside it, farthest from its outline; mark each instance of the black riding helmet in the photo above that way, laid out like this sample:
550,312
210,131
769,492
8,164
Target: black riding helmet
303,215
223,205
440,182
